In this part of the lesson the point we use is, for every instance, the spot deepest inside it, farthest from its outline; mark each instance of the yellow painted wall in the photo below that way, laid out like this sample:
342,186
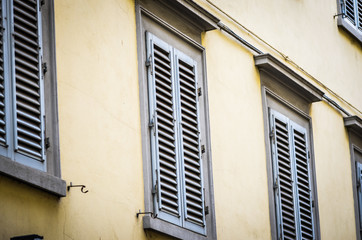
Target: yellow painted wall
100,135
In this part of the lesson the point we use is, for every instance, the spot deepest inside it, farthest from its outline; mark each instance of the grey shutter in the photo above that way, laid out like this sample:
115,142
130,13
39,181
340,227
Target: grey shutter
359,14
190,147
2,84
359,192
303,184
164,133
349,9
283,176
27,87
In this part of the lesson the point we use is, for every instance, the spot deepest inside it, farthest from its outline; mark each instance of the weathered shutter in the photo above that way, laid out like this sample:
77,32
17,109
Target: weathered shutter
359,13
359,192
2,84
190,147
302,181
283,176
29,133
164,130
349,10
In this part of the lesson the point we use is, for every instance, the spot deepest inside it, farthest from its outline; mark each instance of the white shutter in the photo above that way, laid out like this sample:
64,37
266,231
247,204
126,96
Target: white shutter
190,147
27,83
164,130
349,10
283,176
303,184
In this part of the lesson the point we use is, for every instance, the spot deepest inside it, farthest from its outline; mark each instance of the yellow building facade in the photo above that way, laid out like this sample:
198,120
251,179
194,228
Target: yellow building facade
269,82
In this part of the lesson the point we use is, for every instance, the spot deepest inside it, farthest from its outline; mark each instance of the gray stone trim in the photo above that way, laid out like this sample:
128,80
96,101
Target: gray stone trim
158,225
33,177
195,12
353,123
289,78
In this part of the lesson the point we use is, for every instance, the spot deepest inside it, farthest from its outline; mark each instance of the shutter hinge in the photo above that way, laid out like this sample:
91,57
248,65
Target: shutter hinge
45,67
312,203
199,92
308,154
203,149
272,134
148,61
206,210
47,143
151,124
275,185
42,2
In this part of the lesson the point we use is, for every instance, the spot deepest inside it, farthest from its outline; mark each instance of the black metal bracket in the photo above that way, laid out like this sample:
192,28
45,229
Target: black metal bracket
142,213
340,14
81,186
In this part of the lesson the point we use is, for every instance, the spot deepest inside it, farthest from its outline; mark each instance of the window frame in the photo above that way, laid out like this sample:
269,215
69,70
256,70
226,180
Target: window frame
48,180
288,93
152,16
353,126
346,24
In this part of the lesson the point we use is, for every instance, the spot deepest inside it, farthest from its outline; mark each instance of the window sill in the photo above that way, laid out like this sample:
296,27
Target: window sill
345,25
33,177
169,229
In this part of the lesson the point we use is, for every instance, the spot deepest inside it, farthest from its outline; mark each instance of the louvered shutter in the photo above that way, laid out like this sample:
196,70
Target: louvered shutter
349,9
359,192
190,147
359,13
283,176
27,85
2,83
164,131
303,185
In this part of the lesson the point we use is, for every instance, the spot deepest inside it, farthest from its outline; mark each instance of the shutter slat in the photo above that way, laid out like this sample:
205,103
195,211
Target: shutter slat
359,3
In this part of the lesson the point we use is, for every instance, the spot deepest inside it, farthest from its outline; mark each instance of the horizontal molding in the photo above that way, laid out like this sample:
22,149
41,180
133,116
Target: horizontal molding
353,123
287,77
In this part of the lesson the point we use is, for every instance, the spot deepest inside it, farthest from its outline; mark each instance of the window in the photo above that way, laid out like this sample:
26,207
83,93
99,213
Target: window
28,107
292,194
354,126
350,17
176,141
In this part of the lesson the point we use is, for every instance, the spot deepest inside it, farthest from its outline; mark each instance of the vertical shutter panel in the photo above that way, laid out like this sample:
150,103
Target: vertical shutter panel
283,176
28,78
303,185
349,10
359,13
359,192
190,143
2,86
162,110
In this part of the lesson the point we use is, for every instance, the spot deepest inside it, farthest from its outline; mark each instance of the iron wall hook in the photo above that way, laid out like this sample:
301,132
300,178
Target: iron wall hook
81,186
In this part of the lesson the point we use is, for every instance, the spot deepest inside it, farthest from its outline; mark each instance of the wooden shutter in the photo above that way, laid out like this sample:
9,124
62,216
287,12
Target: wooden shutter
283,176
164,133
303,185
359,192
2,84
190,149
28,78
349,9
